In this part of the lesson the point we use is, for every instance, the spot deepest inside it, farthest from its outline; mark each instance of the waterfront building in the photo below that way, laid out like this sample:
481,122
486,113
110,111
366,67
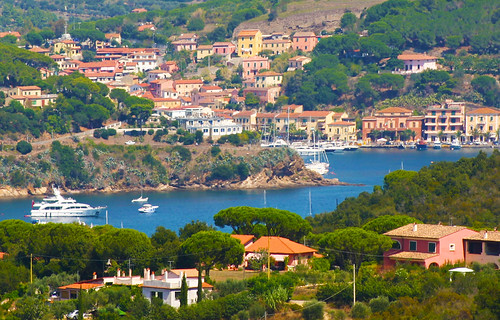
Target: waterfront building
249,43
442,122
212,127
391,121
482,124
341,131
246,119
427,245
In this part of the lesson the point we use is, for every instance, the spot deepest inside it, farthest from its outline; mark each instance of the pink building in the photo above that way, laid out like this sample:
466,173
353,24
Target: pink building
252,65
483,247
427,245
305,41
224,48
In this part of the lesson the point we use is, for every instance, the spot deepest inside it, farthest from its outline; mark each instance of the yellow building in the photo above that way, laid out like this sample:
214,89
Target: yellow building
204,51
341,131
277,46
483,124
249,43
268,79
69,48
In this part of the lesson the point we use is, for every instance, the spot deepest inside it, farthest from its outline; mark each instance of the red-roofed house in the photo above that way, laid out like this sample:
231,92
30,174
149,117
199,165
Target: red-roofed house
286,253
225,49
148,26
269,94
203,51
305,41
44,51
297,63
252,65
11,33
392,120
247,120
101,66
276,46
416,62
249,43
169,66
483,247
427,245
186,87
268,79
314,121
139,10
484,120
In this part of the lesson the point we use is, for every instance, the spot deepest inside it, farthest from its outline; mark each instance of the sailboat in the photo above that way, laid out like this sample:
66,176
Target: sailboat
140,199
319,163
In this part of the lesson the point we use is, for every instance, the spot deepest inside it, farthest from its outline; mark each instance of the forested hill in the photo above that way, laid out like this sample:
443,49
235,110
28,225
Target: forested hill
466,192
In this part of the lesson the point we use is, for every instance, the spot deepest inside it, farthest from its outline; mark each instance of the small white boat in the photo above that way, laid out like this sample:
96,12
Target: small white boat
140,199
148,208
130,143
437,145
455,145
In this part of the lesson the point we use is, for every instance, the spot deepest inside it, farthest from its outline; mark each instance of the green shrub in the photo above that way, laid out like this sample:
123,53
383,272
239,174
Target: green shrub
222,172
379,304
24,147
183,152
214,151
151,132
97,134
256,311
360,311
313,310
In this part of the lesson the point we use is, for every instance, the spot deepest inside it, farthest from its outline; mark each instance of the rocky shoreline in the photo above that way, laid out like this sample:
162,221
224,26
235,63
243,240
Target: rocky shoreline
259,181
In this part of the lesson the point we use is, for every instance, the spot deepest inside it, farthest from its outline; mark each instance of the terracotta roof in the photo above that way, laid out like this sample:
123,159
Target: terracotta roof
279,245
314,114
222,44
190,273
266,115
246,33
256,58
394,110
206,285
112,35
369,118
342,123
211,87
57,56
244,238
415,56
485,235
277,41
299,58
428,231
304,34
188,36
98,64
11,33
137,10
157,71
484,111
286,115
407,255
269,73
204,47
145,26
38,49
84,286
29,88
194,81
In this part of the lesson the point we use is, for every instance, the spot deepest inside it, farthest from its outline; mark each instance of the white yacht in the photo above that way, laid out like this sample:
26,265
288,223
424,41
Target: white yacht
59,206
148,208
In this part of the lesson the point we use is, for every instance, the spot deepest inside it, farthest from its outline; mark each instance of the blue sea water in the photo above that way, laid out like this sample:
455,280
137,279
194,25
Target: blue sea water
176,208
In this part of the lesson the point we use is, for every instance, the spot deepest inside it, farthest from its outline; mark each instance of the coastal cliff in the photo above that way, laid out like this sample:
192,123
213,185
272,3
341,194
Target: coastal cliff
100,168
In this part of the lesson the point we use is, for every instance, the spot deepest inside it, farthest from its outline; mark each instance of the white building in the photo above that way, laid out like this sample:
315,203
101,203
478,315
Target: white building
416,62
213,127
168,286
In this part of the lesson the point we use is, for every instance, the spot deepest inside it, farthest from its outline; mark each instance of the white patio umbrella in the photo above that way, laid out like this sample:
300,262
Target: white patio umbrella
461,270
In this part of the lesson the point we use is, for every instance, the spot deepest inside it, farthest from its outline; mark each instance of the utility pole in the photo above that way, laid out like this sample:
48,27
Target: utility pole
268,256
354,284
31,268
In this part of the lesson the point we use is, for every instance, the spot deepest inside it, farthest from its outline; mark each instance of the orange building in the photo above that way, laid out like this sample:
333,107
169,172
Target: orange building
394,120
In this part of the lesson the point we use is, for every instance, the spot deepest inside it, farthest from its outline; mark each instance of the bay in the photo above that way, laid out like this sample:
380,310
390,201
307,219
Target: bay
176,208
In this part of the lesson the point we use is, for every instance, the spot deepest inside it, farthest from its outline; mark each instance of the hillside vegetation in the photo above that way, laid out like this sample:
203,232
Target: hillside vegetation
466,192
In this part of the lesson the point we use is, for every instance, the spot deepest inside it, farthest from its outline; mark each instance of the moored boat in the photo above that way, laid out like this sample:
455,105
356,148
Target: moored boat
148,208
59,206
421,145
455,145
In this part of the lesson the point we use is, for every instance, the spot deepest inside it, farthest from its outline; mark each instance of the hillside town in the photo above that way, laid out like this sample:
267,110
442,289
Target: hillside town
200,103
185,160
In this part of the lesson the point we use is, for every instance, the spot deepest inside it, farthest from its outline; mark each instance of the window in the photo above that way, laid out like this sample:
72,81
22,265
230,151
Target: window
475,247
492,248
396,245
432,247
413,245
452,247
177,295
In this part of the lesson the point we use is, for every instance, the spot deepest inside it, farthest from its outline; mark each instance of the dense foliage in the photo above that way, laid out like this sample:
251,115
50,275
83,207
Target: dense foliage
465,192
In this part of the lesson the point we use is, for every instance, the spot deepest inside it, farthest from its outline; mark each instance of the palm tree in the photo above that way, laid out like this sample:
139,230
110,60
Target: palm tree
475,133
459,135
440,135
498,135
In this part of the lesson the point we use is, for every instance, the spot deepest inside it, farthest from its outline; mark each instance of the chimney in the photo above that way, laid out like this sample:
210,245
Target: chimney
165,275
130,273
94,276
118,272
486,234
152,275
414,227
145,273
